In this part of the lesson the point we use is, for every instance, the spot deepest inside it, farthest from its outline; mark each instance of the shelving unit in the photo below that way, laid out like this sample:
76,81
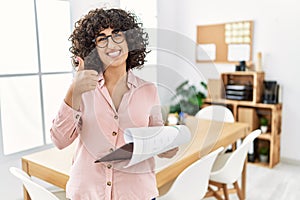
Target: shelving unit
251,111
253,79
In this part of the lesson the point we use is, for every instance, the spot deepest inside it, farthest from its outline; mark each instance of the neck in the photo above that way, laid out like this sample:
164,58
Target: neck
112,75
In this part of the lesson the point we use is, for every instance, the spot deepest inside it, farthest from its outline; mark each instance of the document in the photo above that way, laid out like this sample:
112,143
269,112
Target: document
206,52
238,52
146,142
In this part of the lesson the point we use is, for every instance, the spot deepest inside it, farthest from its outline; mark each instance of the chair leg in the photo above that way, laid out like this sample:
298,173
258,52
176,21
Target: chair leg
225,191
239,192
215,194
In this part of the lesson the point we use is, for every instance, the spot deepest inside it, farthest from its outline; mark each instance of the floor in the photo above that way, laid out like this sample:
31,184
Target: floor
280,183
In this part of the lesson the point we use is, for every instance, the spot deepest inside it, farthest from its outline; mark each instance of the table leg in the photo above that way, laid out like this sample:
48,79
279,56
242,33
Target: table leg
243,187
244,172
25,168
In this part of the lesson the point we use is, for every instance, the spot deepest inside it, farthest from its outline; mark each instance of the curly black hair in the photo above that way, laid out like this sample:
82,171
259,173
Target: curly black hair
88,27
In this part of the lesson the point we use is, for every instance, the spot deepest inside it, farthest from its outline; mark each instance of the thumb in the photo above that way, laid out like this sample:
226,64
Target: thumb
81,63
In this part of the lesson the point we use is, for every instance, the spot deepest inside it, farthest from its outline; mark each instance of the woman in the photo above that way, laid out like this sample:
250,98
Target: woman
105,98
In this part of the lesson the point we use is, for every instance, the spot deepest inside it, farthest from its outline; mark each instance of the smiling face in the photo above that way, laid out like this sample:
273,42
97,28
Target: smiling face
112,48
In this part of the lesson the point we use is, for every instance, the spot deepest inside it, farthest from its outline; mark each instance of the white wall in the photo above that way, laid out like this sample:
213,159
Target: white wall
80,8
276,35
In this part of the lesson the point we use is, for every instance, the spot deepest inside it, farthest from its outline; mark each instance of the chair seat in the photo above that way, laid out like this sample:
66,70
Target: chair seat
220,161
61,195
192,182
216,173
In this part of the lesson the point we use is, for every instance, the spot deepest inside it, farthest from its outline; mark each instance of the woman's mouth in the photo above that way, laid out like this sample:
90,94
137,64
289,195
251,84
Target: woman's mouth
114,54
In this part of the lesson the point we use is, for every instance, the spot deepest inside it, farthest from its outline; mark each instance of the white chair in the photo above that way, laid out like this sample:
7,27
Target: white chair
192,182
215,112
35,191
228,167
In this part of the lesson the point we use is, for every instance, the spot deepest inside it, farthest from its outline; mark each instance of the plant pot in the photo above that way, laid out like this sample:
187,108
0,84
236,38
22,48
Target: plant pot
263,158
264,129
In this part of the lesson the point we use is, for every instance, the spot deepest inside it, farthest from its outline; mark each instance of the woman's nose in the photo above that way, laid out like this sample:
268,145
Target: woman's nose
110,42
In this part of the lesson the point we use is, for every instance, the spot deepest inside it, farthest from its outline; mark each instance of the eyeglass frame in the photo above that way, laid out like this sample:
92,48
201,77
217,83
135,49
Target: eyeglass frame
112,38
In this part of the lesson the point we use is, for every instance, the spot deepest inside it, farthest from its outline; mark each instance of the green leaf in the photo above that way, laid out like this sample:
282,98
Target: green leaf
175,108
181,85
263,121
189,97
194,100
264,150
203,84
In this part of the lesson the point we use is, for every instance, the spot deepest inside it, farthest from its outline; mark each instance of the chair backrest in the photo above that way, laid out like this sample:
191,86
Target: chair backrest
233,167
35,191
192,182
215,112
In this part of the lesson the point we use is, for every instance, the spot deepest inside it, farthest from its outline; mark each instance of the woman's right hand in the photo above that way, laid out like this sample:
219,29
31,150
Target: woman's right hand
84,81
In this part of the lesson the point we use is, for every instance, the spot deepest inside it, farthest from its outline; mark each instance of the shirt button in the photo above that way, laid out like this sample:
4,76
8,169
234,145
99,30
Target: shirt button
114,133
116,117
77,116
111,149
109,166
108,183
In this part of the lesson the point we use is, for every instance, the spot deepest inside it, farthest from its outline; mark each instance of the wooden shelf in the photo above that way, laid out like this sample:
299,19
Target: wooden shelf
265,136
242,103
251,111
258,163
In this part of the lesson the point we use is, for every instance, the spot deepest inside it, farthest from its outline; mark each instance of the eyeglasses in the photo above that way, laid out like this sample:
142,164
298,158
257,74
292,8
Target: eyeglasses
102,41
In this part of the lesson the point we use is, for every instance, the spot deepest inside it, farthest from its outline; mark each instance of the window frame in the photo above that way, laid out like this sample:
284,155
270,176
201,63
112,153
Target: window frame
39,74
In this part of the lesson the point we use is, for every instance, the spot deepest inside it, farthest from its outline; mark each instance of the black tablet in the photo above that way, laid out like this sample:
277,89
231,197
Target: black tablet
122,153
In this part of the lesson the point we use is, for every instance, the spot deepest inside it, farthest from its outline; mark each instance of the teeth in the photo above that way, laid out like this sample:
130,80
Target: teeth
114,54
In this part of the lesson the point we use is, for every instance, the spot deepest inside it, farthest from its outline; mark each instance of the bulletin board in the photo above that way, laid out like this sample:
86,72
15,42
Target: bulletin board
225,43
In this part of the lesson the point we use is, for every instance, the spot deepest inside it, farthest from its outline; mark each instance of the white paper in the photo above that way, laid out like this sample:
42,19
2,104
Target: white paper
150,141
206,52
238,52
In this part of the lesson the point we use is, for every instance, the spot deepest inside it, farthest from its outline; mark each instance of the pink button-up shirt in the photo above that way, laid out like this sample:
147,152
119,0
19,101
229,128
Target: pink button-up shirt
100,130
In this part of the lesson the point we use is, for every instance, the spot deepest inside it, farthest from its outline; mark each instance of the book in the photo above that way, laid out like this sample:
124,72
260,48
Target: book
145,142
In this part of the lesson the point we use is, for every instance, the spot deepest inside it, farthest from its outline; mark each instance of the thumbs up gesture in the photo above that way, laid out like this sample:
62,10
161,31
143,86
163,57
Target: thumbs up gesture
84,81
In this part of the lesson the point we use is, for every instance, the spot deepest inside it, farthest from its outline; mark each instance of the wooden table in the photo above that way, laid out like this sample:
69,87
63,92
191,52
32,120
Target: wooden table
53,165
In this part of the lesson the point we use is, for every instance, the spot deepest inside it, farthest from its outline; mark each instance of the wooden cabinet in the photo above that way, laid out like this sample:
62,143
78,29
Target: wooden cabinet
252,111
252,79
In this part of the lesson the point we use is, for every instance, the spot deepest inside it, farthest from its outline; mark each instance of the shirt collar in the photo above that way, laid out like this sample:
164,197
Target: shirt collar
131,79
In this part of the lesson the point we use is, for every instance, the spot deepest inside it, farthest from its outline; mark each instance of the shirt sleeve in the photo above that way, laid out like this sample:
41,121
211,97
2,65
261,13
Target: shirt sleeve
64,126
156,112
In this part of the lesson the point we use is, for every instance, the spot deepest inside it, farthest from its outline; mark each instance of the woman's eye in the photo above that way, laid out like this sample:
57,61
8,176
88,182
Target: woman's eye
118,35
101,39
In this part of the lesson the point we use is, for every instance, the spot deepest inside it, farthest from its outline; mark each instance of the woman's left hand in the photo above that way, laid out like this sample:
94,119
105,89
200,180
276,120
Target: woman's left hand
169,154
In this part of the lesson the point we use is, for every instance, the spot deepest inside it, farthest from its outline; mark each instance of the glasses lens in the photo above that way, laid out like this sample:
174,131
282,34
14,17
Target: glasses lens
118,37
101,41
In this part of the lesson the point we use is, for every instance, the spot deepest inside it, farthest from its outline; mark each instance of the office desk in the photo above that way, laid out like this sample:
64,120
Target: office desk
53,165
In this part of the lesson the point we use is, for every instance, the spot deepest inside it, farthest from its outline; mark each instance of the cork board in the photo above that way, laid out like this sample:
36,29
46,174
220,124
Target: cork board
223,42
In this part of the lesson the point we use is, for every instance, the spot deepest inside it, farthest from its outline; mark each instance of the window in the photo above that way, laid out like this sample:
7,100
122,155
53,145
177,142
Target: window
35,70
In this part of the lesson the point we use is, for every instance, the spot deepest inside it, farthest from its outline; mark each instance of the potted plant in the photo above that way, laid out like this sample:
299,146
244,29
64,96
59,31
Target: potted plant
188,98
264,154
263,124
